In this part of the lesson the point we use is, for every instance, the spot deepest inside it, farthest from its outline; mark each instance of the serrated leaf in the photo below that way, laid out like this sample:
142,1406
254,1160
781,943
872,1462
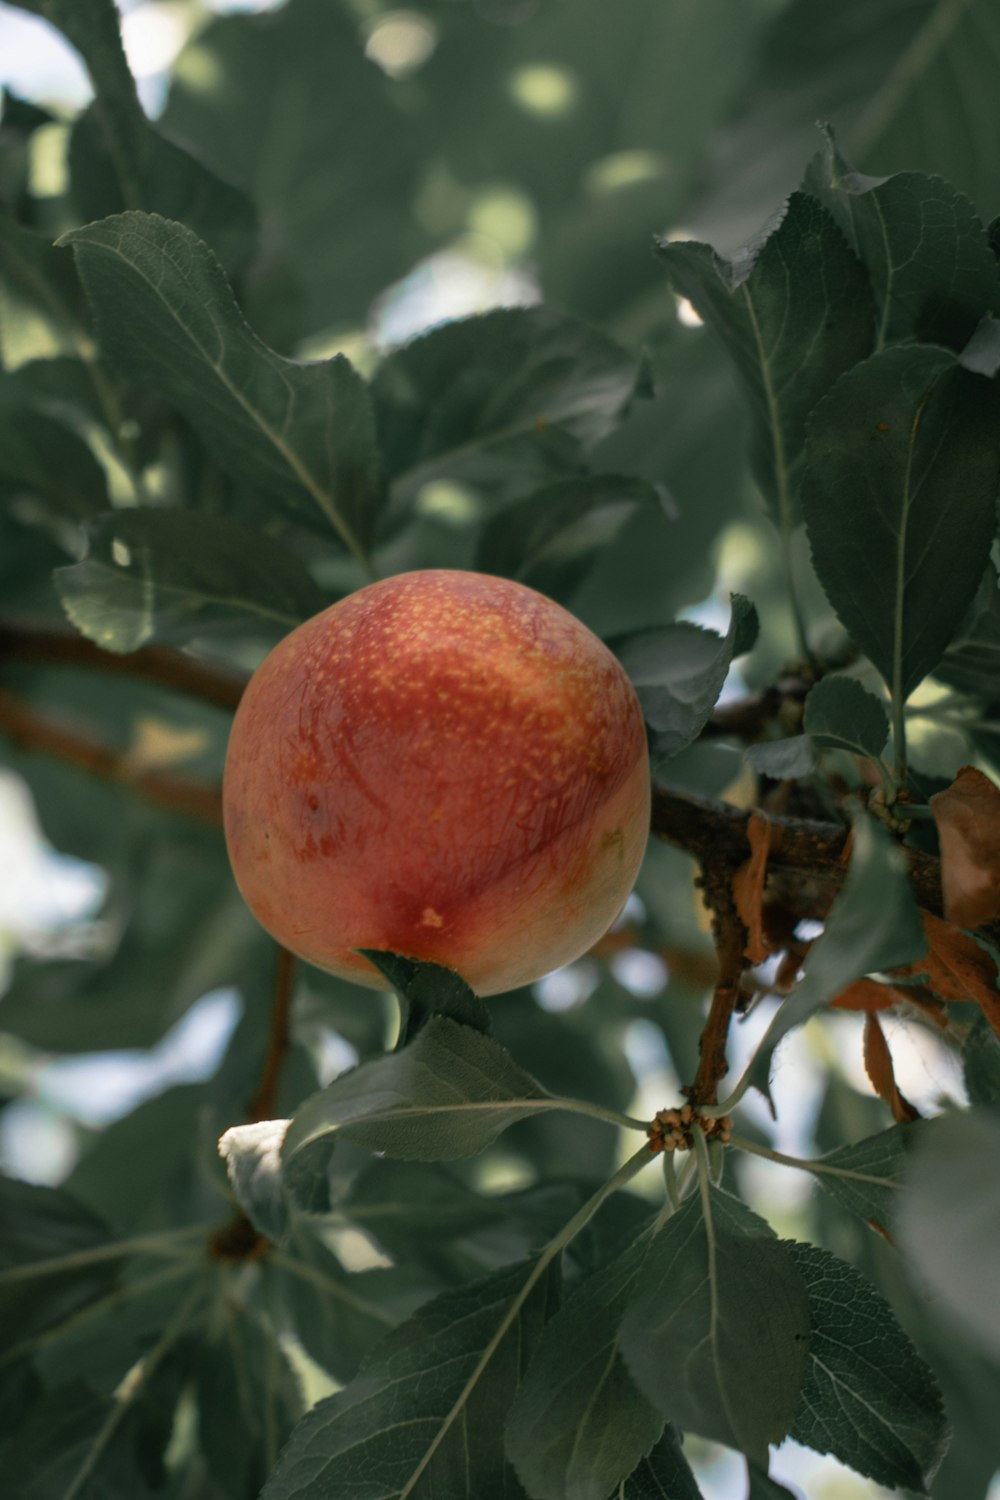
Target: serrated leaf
868,1397
869,1174
299,432
678,672
426,990
664,1474
873,925
448,1094
513,397
550,539
425,1415
842,715
579,1425
948,1220
784,760
722,1300
926,252
903,458
794,308
981,1063
171,575
248,1397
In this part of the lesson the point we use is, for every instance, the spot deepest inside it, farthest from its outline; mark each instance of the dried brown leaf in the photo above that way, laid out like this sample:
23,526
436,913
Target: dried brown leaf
878,1066
748,887
967,814
957,968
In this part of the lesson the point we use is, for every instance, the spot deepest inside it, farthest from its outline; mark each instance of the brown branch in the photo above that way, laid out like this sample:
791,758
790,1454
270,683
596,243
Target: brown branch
30,729
263,1106
46,645
730,940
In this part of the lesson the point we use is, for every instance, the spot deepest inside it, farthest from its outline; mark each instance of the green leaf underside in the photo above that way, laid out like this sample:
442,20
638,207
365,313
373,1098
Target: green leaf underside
716,1338
903,458
579,1425
446,1095
843,715
424,1418
948,1220
868,1397
664,1474
873,925
510,397
170,575
678,672
981,1063
794,311
785,760
926,252
166,314
972,661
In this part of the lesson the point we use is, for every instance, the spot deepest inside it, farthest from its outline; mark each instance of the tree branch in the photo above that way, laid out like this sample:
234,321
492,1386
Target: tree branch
47,645
263,1105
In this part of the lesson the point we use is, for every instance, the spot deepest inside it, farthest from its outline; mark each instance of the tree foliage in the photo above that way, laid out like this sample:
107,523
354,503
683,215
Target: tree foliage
763,464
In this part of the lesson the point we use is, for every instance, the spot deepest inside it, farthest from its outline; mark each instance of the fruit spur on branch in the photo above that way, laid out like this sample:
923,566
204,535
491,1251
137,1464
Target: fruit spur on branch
445,765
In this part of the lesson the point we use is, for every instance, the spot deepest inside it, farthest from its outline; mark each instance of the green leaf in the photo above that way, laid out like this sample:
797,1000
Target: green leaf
44,1458
663,1475
170,181
931,267
972,661
271,101
900,492
678,672
248,1397
784,760
868,1397
448,1094
504,402
426,990
579,1425
43,279
948,1220
42,457
868,1175
425,1415
873,924
794,309
981,1063
842,715
722,1301
298,432
550,539
172,575
39,1225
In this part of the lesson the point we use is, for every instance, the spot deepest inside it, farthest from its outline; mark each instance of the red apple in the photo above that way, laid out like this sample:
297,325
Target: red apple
446,765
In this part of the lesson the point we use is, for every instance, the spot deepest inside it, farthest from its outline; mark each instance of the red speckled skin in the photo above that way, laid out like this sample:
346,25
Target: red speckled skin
446,765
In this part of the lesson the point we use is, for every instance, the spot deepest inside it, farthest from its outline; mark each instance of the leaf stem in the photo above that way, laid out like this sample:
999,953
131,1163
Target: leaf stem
317,1278
803,1164
166,1243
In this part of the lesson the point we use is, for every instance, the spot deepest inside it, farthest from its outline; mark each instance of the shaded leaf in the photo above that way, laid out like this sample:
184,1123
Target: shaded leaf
42,457
550,539
981,1064
784,760
40,1224
44,279
678,671
425,1415
172,575
511,398
579,1425
446,1095
869,1173
868,1397
902,459
948,1221
873,925
763,1487
664,1474
299,432
842,715
794,309
926,252
967,815
426,990
972,661
721,1298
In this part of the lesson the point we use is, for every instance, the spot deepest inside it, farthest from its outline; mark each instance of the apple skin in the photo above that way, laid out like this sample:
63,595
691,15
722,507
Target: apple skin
445,765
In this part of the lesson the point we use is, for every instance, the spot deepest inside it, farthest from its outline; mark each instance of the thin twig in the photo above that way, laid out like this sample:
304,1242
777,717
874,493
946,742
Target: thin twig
263,1105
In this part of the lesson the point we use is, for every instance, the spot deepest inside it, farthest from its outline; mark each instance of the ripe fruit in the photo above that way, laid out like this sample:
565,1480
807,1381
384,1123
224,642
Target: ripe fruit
445,765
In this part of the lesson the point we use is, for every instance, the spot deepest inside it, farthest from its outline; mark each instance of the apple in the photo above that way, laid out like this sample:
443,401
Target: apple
446,765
